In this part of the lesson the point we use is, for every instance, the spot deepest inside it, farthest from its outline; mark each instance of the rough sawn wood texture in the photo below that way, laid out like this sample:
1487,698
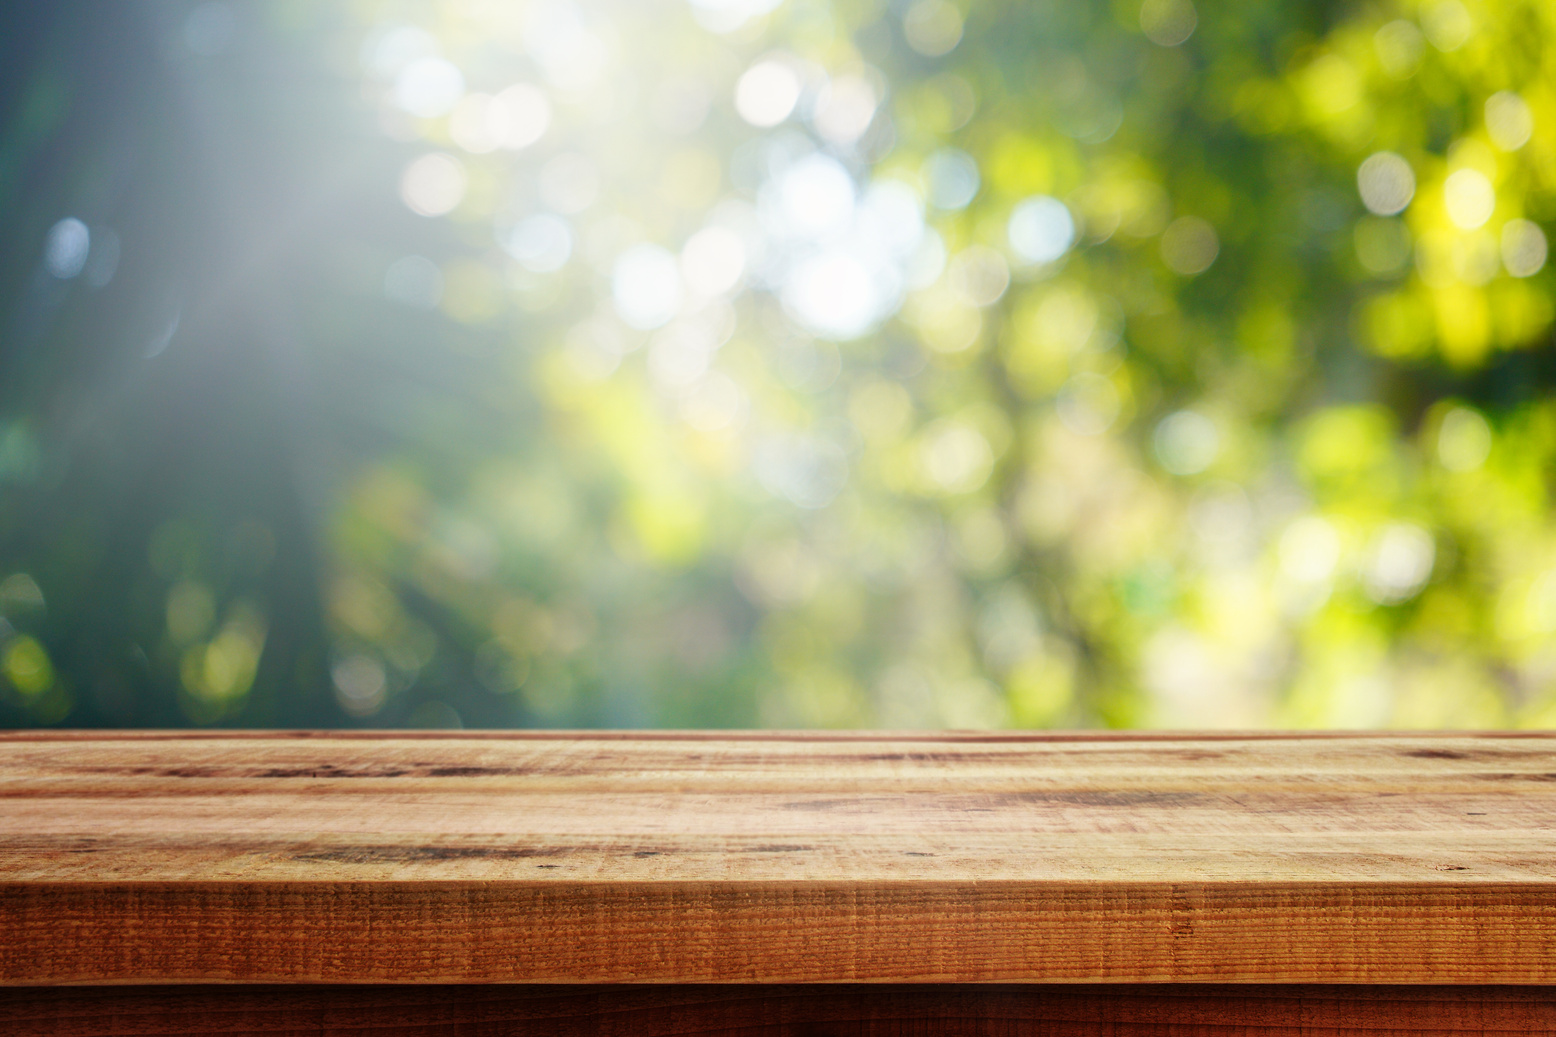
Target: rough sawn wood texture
579,858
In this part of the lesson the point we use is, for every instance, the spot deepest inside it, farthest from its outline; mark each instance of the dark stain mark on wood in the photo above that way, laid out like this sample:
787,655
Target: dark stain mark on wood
325,771
419,769
410,854
779,848
1436,754
917,757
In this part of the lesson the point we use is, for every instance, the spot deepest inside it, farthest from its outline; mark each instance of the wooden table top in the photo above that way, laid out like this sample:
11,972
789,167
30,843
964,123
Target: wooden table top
772,857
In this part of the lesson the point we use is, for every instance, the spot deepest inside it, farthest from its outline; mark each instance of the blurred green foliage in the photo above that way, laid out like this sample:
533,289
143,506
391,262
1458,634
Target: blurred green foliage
721,363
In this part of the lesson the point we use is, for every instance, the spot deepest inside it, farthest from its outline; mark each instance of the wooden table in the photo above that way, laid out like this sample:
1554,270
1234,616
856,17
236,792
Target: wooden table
658,883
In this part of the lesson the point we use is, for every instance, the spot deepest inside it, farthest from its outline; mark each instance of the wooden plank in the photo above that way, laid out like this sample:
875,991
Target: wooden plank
704,857
779,1011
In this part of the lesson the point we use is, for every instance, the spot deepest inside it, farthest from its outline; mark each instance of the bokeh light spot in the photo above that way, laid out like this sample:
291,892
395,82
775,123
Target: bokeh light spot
514,119
66,248
713,260
360,684
387,51
1447,24
1469,198
523,114
813,198
932,27
433,184
1398,563
1399,45
956,457
1382,245
1386,183
1186,442
428,87
26,665
1463,440
541,243
1509,122
726,16
953,178
979,275
834,294
767,92
1524,248
20,595
1041,229
1189,246
1309,549
844,109
947,322
1168,23
646,286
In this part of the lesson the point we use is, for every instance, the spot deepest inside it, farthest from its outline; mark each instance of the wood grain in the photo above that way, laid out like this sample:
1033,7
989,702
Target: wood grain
783,858
779,1011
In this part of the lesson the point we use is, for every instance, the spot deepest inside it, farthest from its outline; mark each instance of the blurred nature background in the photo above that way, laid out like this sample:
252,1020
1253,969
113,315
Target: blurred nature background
802,363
